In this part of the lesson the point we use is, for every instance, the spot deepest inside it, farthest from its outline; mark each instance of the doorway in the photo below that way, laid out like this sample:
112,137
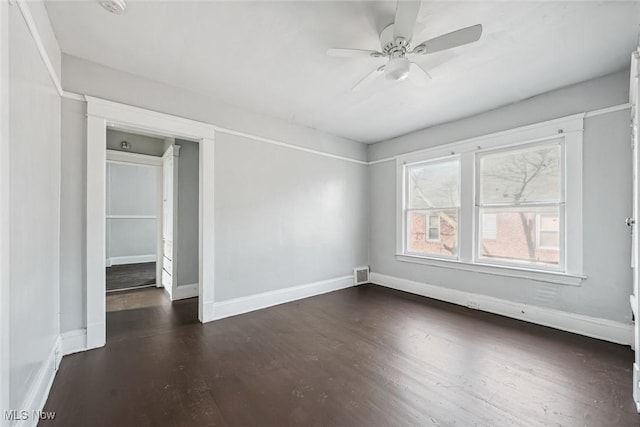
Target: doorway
103,115
133,211
151,220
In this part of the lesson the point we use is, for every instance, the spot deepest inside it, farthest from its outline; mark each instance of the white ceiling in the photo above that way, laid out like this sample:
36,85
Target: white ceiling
269,57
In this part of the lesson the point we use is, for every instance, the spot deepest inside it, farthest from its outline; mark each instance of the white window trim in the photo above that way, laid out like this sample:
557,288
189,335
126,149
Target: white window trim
561,206
571,128
496,270
405,195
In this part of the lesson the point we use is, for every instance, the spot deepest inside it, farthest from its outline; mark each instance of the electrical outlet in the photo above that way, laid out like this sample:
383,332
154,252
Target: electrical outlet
473,304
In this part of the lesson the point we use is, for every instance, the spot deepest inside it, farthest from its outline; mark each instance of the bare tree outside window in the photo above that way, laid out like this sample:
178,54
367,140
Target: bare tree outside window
521,183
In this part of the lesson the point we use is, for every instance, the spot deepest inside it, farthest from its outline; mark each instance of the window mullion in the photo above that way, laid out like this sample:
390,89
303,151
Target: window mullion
466,227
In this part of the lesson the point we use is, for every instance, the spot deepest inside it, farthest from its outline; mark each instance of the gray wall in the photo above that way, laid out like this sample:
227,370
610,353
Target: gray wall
282,217
73,220
89,78
34,195
140,144
607,201
188,213
612,89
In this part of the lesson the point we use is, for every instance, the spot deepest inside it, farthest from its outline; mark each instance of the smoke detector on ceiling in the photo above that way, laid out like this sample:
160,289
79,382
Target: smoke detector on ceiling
113,6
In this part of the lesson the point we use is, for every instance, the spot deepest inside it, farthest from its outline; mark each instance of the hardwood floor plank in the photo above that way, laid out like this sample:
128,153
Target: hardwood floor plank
364,356
130,276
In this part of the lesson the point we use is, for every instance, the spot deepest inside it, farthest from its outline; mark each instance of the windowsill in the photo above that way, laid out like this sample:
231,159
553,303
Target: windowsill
522,273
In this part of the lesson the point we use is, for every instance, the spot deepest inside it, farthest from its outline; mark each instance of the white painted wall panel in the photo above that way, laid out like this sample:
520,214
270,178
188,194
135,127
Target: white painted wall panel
34,209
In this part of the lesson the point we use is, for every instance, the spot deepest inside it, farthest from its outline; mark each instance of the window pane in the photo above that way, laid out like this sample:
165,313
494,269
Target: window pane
549,223
517,237
434,234
488,222
442,240
549,239
521,175
433,185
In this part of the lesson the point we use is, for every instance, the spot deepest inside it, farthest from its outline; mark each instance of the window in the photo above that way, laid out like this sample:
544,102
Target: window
507,203
432,208
433,230
548,232
522,188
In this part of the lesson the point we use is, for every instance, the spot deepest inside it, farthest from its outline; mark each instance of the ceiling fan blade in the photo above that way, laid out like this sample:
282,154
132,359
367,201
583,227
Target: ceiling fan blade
368,78
406,15
354,53
419,75
450,40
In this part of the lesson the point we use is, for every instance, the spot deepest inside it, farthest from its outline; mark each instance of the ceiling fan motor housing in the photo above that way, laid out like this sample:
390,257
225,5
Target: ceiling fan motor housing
393,47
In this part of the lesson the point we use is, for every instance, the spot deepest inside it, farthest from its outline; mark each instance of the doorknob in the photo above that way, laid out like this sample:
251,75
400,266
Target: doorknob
630,222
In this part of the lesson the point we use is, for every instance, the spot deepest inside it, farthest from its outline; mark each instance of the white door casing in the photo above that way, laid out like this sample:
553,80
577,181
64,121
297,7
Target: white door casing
101,113
170,164
632,222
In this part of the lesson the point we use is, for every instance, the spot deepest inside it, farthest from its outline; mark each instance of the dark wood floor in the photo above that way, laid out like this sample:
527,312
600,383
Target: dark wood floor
364,356
127,276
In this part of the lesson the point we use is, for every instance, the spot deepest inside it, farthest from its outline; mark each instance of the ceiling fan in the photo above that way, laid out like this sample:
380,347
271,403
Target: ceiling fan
395,42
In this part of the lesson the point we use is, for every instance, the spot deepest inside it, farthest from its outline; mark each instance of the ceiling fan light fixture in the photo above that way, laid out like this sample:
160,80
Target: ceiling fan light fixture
397,69
113,6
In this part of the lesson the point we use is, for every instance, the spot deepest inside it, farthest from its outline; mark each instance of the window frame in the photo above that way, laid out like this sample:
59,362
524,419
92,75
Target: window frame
570,131
428,211
477,256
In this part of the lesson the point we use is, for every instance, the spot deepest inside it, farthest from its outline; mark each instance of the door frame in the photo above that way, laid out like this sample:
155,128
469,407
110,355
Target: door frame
635,261
100,115
4,207
144,160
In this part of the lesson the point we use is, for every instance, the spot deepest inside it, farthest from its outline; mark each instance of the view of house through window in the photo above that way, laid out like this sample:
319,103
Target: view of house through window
520,190
433,232
515,202
433,201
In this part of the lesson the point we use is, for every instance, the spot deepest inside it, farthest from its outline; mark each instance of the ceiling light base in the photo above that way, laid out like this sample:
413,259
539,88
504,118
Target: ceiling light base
391,47
114,6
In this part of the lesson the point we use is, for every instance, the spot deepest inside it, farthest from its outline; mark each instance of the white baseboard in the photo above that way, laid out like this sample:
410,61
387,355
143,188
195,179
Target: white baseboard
184,291
74,341
38,392
604,329
242,305
120,260
636,386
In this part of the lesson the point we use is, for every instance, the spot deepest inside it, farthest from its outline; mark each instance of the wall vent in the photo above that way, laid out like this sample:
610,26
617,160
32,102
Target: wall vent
360,275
